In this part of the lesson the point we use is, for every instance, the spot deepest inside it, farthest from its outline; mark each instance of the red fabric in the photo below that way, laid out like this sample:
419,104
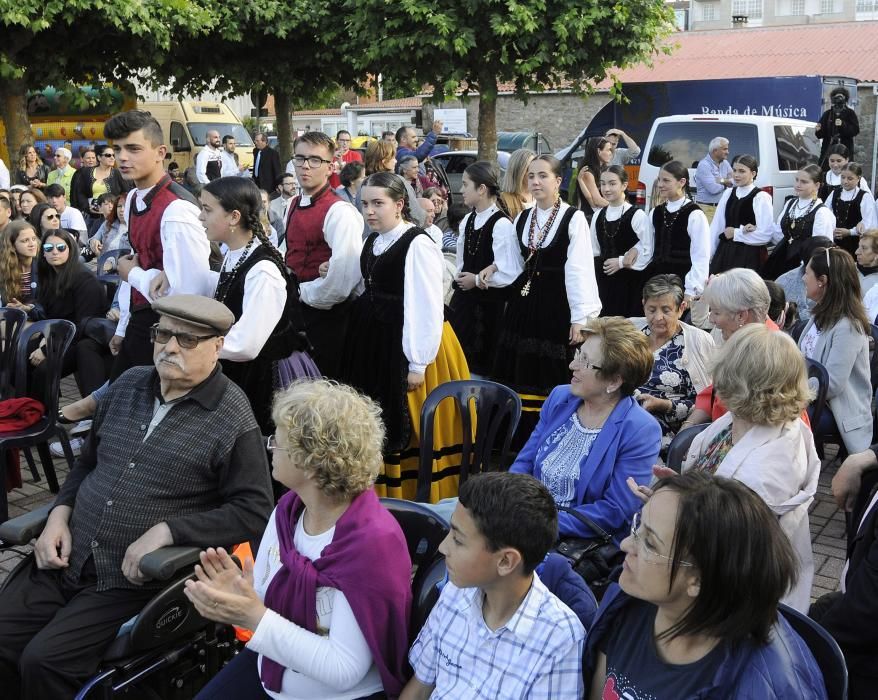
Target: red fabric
349,157
144,232
306,247
17,414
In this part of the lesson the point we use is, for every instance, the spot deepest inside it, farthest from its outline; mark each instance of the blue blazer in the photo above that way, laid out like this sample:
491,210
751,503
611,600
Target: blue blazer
628,445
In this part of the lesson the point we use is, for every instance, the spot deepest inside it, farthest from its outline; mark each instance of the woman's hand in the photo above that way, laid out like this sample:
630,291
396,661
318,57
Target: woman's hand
37,357
653,404
576,333
841,233
645,492
749,228
630,258
114,314
466,280
414,380
159,286
16,304
224,593
729,233
323,270
486,274
96,246
611,266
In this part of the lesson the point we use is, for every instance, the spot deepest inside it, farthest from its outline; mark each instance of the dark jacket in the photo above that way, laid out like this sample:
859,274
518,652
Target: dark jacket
80,187
783,669
85,299
559,577
830,133
269,169
21,177
852,619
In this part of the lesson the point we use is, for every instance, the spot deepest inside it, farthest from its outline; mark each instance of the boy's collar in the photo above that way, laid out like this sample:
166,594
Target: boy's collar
522,620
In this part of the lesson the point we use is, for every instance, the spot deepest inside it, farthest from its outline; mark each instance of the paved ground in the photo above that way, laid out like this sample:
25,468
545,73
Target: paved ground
827,522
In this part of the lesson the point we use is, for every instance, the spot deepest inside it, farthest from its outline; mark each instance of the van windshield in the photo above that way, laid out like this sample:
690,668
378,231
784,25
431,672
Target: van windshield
797,146
687,141
199,132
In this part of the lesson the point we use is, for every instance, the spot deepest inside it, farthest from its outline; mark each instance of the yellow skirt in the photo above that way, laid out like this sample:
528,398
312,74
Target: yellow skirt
399,477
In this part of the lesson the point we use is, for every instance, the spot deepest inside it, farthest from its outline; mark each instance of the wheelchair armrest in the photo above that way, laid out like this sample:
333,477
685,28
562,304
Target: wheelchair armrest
24,528
166,562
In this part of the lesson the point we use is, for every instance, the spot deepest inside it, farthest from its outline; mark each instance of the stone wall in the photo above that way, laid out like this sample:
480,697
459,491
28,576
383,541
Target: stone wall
864,144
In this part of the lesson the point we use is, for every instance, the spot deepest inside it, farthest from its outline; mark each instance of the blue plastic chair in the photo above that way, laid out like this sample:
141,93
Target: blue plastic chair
825,649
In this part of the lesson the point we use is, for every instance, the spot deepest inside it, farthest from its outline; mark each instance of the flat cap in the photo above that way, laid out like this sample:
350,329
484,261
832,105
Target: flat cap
197,310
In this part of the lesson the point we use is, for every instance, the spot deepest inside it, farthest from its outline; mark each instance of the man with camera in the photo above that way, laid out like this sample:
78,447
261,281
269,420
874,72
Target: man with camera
839,124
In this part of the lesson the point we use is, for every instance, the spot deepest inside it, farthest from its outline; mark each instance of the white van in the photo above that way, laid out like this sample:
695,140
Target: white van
781,146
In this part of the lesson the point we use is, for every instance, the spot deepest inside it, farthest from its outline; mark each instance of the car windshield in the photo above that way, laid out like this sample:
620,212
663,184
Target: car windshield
687,141
199,132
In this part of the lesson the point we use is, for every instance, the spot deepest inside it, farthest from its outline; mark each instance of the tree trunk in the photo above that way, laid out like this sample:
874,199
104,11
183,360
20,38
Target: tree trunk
487,131
13,112
284,129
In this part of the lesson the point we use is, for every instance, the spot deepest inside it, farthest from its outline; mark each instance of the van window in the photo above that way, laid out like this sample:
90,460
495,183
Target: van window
797,146
179,140
199,132
687,141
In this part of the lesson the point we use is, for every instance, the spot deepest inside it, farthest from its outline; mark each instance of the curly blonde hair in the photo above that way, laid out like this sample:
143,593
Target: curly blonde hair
335,435
760,376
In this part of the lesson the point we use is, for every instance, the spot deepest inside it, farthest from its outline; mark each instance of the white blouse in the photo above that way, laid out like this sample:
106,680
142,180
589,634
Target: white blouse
645,241
867,207
699,246
507,254
423,296
265,295
582,288
824,219
762,208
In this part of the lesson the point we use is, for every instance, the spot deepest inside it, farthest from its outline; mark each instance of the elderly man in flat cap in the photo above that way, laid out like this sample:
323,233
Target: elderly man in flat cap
175,457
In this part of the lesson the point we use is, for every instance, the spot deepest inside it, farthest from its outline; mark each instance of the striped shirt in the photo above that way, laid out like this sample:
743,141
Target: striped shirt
536,654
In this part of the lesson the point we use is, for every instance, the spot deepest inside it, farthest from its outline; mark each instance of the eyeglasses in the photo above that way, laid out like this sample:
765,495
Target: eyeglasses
49,247
272,446
648,553
184,340
313,161
581,361
108,155
52,216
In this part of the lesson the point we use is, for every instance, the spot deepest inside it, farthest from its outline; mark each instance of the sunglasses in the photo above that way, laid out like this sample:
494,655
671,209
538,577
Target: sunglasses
108,155
187,341
52,216
49,247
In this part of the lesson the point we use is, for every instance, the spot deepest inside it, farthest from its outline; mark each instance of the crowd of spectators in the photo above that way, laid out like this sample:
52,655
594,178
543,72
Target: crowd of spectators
309,308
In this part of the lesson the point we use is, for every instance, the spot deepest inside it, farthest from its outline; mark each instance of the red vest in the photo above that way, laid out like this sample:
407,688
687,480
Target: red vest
306,247
144,231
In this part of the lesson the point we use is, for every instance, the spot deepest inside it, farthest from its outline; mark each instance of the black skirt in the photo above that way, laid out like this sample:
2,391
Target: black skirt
621,294
731,254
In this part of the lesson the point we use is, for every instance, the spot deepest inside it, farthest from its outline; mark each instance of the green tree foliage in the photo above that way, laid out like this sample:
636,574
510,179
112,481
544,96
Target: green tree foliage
478,44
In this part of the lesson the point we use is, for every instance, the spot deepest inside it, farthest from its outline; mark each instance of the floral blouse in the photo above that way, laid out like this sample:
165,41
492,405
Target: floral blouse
670,380
715,452
561,455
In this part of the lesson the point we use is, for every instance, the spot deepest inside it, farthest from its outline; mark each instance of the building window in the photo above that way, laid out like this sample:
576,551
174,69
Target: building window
751,8
708,12
867,5
827,7
797,7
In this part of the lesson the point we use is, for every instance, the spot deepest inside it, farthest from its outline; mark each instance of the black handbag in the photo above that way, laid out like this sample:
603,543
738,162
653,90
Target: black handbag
593,558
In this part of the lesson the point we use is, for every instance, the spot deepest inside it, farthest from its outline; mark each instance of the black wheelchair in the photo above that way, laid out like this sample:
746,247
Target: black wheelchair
169,651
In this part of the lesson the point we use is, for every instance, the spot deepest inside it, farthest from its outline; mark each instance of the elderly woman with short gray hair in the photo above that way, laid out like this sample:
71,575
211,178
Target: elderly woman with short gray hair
681,355
736,298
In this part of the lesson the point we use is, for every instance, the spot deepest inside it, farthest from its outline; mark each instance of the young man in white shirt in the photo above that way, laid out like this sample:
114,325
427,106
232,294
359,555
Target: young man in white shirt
496,630
71,217
164,231
209,161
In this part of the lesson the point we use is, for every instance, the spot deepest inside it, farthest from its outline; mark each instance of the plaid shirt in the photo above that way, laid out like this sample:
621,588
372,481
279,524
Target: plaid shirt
536,654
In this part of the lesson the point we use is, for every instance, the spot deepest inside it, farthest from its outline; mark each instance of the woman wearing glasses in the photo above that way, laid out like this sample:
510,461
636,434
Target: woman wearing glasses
762,441
93,182
695,612
837,336
69,290
592,435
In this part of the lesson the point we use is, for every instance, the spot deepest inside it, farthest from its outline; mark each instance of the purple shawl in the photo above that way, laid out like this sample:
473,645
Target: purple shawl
368,561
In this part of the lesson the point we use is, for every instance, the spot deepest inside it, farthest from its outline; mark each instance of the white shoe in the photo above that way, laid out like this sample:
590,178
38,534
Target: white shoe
82,427
75,445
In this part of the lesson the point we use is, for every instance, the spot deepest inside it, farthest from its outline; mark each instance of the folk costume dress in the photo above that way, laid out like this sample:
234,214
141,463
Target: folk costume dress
556,289
485,237
681,237
832,182
737,208
397,326
851,208
615,231
801,219
267,346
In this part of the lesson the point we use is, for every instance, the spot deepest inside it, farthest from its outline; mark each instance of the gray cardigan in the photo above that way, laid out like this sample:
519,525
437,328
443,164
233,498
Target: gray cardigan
844,351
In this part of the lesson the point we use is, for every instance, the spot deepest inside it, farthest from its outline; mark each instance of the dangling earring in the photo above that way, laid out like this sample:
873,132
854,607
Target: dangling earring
609,390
